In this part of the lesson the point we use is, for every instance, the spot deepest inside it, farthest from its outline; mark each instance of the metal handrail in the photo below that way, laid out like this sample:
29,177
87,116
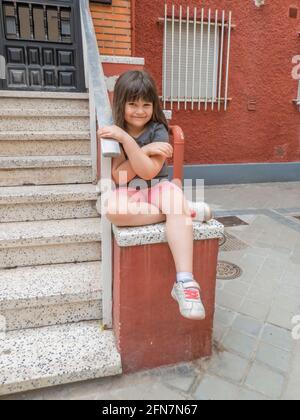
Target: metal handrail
101,114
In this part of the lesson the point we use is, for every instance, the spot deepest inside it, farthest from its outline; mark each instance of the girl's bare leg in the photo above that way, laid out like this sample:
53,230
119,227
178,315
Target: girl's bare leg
179,227
135,214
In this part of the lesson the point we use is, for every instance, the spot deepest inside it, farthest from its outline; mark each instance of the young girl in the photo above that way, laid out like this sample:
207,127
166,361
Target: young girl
142,131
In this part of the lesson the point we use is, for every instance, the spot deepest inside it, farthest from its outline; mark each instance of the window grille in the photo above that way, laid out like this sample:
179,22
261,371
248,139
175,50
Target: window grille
196,58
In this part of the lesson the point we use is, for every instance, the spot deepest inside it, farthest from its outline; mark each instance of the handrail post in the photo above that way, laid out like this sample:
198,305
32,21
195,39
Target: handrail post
101,113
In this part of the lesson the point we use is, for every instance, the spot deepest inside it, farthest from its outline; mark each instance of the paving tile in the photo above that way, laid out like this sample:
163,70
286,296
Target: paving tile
237,287
219,332
229,366
278,337
292,279
247,395
240,343
274,357
291,304
264,380
254,309
213,388
163,393
224,316
281,317
260,295
292,391
247,325
228,300
181,377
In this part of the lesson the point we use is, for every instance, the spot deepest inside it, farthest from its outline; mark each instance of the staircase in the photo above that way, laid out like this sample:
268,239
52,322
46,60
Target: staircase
50,246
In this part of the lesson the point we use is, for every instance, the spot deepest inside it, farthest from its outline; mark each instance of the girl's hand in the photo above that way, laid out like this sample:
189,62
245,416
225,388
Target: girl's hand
158,148
112,132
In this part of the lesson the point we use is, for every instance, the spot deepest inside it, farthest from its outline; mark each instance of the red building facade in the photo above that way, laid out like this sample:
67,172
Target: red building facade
263,44
261,123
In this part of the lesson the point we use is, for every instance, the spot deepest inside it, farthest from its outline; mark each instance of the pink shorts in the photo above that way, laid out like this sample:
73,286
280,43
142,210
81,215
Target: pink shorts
147,195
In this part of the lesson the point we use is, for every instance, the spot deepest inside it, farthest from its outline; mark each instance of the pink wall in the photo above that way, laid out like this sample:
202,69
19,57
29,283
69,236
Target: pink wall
262,46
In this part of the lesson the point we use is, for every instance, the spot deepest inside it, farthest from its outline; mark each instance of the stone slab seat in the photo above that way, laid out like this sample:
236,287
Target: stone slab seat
149,329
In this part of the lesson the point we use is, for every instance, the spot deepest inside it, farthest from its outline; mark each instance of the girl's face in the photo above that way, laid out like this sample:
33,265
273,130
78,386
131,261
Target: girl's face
138,113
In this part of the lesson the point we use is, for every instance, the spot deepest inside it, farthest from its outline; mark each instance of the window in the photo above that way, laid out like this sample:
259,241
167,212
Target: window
196,58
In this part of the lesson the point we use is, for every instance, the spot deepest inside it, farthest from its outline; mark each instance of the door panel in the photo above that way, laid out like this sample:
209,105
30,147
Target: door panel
41,43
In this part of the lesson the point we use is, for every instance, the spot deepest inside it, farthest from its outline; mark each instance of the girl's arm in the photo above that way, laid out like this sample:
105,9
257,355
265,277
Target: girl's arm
157,153
122,164
144,166
140,162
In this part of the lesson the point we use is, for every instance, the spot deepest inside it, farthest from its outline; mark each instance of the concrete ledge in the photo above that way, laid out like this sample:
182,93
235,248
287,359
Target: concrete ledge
155,234
123,60
242,173
43,95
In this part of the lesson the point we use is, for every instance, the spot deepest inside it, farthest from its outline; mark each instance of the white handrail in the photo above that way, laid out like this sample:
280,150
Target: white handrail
101,108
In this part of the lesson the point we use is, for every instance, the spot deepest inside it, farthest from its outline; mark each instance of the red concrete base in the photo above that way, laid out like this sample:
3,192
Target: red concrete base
149,329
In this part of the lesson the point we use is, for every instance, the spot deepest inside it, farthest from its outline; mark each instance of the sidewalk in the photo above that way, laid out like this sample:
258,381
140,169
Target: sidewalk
255,356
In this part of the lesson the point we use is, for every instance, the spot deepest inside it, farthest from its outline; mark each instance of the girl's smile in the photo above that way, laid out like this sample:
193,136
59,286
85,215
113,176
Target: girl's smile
137,115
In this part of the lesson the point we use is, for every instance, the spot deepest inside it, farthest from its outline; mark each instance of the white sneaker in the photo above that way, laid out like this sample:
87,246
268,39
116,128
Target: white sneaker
202,211
187,294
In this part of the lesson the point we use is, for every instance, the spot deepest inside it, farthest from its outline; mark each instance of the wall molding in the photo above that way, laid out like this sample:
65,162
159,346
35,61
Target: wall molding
249,173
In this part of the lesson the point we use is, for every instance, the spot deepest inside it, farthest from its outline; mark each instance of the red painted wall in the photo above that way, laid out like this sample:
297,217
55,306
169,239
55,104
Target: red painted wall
262,46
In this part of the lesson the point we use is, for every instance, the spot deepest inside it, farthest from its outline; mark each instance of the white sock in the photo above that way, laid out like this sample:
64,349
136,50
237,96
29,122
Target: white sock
184,277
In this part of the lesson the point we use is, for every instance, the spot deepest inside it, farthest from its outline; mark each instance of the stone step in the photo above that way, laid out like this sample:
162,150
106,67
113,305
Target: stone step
44,143
49,242
41,170
56,135
52,105
48,356
44,123
44,148
43,95
49,202
64,112
32,297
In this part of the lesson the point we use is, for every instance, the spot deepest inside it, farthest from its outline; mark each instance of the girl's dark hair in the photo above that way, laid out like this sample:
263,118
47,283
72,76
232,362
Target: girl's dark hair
132,86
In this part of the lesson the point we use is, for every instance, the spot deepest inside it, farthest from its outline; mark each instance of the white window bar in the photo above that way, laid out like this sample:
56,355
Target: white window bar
187,58
172,57
207,62
201,58
196,58
179,58
228,59
165,55
215,62
221,60
194,55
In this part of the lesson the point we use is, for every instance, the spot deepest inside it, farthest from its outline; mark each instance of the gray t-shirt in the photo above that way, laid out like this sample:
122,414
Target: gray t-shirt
155,132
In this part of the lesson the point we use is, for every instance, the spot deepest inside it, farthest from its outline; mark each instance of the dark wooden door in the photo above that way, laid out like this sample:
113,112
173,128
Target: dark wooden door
40,42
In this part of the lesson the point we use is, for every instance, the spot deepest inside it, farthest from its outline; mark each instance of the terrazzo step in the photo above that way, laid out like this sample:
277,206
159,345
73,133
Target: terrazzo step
41,170
48,356
32,297
44,143
40,123
57,135
27,95
49,242
37,110
45,148
47,202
